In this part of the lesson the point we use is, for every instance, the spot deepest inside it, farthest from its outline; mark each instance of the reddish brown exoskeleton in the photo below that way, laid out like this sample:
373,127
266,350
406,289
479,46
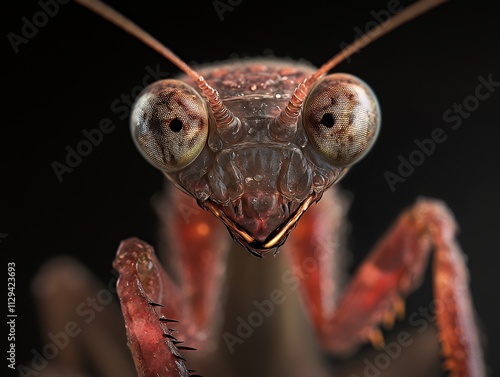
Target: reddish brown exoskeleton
259,144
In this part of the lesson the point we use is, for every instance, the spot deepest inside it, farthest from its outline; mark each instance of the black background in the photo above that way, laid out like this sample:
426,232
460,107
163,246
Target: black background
64,80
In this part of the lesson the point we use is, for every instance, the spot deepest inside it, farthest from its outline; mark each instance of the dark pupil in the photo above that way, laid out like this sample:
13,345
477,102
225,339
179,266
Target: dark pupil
328,120
175,125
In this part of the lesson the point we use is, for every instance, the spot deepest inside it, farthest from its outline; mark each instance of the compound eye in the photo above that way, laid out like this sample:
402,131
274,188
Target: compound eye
169,124
341,117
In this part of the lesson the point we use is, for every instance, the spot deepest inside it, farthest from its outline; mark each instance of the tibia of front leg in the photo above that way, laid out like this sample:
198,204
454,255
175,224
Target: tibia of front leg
393,270
455,314
141,284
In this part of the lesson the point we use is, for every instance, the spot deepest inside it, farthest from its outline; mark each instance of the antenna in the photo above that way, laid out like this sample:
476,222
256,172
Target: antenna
289,115
223,116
